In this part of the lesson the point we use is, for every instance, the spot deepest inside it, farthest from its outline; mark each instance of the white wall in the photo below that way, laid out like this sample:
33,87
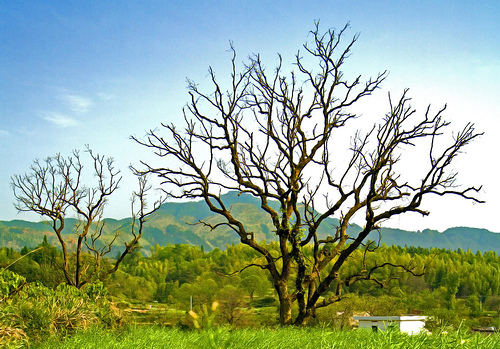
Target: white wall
407,324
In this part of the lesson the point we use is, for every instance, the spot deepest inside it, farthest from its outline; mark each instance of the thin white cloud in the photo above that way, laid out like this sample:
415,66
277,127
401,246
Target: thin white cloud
67,114
77,104
60,120
4,133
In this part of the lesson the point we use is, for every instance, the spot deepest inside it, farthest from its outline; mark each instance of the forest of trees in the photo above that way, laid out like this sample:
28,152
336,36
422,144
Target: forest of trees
456,286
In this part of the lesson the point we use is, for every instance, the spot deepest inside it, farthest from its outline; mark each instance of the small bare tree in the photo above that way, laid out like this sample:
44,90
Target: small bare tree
54,188
277,137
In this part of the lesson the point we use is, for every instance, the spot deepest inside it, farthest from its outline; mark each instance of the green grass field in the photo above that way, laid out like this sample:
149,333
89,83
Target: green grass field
156,337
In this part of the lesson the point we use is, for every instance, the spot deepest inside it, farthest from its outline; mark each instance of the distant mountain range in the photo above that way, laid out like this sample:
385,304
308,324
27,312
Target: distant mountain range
175,223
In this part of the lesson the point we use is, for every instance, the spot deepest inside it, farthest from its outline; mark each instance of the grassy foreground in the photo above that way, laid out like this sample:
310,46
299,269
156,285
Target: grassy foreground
155,337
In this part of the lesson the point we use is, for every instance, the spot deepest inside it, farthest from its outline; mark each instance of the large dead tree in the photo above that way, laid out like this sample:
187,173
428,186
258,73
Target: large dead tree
54,189
277,136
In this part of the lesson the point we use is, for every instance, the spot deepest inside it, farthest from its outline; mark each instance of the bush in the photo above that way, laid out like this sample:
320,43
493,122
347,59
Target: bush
10,283
38,312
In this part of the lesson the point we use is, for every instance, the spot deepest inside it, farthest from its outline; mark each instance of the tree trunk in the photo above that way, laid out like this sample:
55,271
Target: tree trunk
285,311
78,262
285,303
303,318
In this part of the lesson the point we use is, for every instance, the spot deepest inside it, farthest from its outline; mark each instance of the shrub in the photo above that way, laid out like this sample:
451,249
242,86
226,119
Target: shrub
38,312
10,283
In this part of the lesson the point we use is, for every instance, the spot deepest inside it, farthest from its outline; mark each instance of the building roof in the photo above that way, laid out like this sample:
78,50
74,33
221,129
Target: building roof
391,318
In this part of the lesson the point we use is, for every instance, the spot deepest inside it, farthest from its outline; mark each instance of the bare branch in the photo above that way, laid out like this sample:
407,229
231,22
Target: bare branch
54,189
274,135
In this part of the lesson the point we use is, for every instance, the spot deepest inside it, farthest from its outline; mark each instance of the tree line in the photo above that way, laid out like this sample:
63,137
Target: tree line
455,285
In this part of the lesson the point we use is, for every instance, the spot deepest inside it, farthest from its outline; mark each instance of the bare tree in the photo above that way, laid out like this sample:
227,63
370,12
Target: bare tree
276,136
55,189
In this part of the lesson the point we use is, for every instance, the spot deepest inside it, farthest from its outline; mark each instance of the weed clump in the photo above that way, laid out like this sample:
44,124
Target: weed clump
35,312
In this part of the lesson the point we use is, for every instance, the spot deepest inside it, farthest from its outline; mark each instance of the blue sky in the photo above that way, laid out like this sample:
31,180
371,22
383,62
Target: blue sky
75,73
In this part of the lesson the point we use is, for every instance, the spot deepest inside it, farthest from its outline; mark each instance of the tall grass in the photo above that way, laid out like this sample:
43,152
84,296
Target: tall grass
37,313
156,337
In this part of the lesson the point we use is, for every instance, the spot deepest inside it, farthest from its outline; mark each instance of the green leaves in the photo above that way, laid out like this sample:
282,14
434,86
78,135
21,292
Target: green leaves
10,283
40,312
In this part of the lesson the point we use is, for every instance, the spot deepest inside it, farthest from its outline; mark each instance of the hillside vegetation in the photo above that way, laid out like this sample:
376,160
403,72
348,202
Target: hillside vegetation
175,223
459,290
456,285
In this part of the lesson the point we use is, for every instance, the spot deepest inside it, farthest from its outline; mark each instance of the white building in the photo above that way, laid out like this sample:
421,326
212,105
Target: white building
411,324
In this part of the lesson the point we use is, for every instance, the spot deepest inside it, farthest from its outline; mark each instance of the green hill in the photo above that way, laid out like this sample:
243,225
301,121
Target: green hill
178,223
